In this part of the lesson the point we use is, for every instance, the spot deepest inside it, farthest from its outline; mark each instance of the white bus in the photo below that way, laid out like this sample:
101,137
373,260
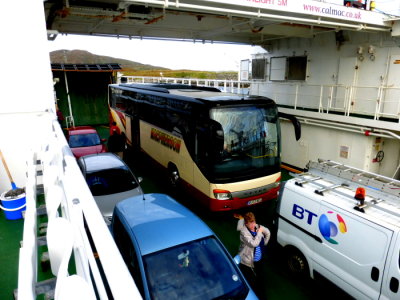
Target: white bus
224,148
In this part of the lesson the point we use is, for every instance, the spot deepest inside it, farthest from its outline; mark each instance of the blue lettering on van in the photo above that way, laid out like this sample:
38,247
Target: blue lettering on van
301,213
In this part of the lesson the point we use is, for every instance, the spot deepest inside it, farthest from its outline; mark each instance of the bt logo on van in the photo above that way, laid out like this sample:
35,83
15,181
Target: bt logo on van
327,228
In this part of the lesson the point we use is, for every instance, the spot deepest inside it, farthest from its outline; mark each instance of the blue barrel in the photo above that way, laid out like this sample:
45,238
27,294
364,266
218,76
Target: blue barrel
13,206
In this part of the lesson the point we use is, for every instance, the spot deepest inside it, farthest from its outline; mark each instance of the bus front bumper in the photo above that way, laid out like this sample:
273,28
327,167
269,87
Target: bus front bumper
236,203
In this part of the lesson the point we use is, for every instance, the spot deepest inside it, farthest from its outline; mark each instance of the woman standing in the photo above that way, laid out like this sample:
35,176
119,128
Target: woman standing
253,239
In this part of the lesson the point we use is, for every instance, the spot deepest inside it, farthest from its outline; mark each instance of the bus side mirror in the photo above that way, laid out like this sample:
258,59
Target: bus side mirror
295,122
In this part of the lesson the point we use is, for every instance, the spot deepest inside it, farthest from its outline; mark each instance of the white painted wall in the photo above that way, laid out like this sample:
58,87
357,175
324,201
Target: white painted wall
20,134
330,64
318,142
350,63
23,98
391,160
24,51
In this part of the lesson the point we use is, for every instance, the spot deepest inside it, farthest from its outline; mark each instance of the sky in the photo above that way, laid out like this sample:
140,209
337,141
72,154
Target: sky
177,55
167,54
391,7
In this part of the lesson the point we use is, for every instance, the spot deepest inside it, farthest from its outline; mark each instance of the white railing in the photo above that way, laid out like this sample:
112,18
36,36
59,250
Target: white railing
375,101
65,188
229,86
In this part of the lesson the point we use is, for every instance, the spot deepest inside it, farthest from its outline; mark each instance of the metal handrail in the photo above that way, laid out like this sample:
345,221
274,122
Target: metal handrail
226,85
346,99
324,98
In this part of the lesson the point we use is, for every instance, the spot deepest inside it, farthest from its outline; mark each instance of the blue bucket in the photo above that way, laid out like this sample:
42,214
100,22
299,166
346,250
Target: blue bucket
13,206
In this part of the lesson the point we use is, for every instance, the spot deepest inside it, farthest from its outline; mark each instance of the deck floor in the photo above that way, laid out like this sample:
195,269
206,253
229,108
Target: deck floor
10,237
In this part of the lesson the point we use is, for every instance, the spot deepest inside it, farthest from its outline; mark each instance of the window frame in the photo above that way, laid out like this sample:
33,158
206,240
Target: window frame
259,68
288,68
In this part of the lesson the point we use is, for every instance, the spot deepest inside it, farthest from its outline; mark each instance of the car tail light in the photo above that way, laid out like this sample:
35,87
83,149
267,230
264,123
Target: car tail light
222,194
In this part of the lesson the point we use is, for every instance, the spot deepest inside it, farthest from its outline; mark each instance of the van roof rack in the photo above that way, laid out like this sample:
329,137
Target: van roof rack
343,180
368,179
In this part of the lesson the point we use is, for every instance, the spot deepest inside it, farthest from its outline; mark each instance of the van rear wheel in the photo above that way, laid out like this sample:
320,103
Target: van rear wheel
297,263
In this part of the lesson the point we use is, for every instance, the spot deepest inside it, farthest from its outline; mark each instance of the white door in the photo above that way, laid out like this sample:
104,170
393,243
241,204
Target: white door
390,286
390,106
346,78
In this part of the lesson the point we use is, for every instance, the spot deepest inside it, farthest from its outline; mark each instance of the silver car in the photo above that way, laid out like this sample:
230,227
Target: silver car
110,180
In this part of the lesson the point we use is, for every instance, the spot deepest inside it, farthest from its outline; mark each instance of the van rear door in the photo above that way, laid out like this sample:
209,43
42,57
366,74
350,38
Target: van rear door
390,286
353,251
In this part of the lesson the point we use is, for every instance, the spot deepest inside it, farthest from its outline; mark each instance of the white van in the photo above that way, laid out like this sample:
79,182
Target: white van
354,243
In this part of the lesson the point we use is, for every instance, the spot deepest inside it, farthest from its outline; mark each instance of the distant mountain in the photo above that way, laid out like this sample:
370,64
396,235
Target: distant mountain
85,57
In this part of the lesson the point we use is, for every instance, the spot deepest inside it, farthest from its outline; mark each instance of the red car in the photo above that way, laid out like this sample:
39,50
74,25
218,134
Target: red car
84,140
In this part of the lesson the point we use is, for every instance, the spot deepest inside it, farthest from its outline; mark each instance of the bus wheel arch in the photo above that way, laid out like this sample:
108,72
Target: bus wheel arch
296,262
173,175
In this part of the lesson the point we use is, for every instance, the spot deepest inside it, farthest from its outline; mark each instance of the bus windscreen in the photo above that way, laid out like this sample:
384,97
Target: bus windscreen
251,141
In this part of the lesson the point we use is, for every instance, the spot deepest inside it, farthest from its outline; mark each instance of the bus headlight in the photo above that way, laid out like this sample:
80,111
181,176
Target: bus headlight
222,194
275,184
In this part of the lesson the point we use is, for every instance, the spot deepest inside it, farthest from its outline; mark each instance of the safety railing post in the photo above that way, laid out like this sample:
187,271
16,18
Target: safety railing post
296,96
330,100
320,99
378,103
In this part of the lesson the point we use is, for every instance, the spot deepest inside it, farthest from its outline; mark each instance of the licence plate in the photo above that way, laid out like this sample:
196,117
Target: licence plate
255,201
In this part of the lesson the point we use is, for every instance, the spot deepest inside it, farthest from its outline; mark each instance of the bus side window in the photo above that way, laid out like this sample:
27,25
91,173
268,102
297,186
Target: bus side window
200,144
129,108
130,103
210,141
216,138
112,97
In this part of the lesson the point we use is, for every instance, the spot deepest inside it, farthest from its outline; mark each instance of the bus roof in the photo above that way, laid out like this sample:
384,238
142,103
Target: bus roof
190,91
166,87
196,93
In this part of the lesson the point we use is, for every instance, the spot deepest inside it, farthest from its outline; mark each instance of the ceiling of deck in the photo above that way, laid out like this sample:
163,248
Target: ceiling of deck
254,22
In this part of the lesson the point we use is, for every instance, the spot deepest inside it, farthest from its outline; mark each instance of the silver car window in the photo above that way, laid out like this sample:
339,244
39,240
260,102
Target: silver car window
111,181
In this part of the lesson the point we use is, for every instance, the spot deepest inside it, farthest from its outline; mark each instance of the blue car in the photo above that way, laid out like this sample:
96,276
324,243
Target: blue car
172,254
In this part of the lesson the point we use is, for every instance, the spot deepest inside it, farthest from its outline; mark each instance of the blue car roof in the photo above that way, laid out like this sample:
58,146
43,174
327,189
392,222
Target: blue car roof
158,222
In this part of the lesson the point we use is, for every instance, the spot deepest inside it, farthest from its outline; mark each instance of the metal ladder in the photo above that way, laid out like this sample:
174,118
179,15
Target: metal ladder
368,179
378,183
304,178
